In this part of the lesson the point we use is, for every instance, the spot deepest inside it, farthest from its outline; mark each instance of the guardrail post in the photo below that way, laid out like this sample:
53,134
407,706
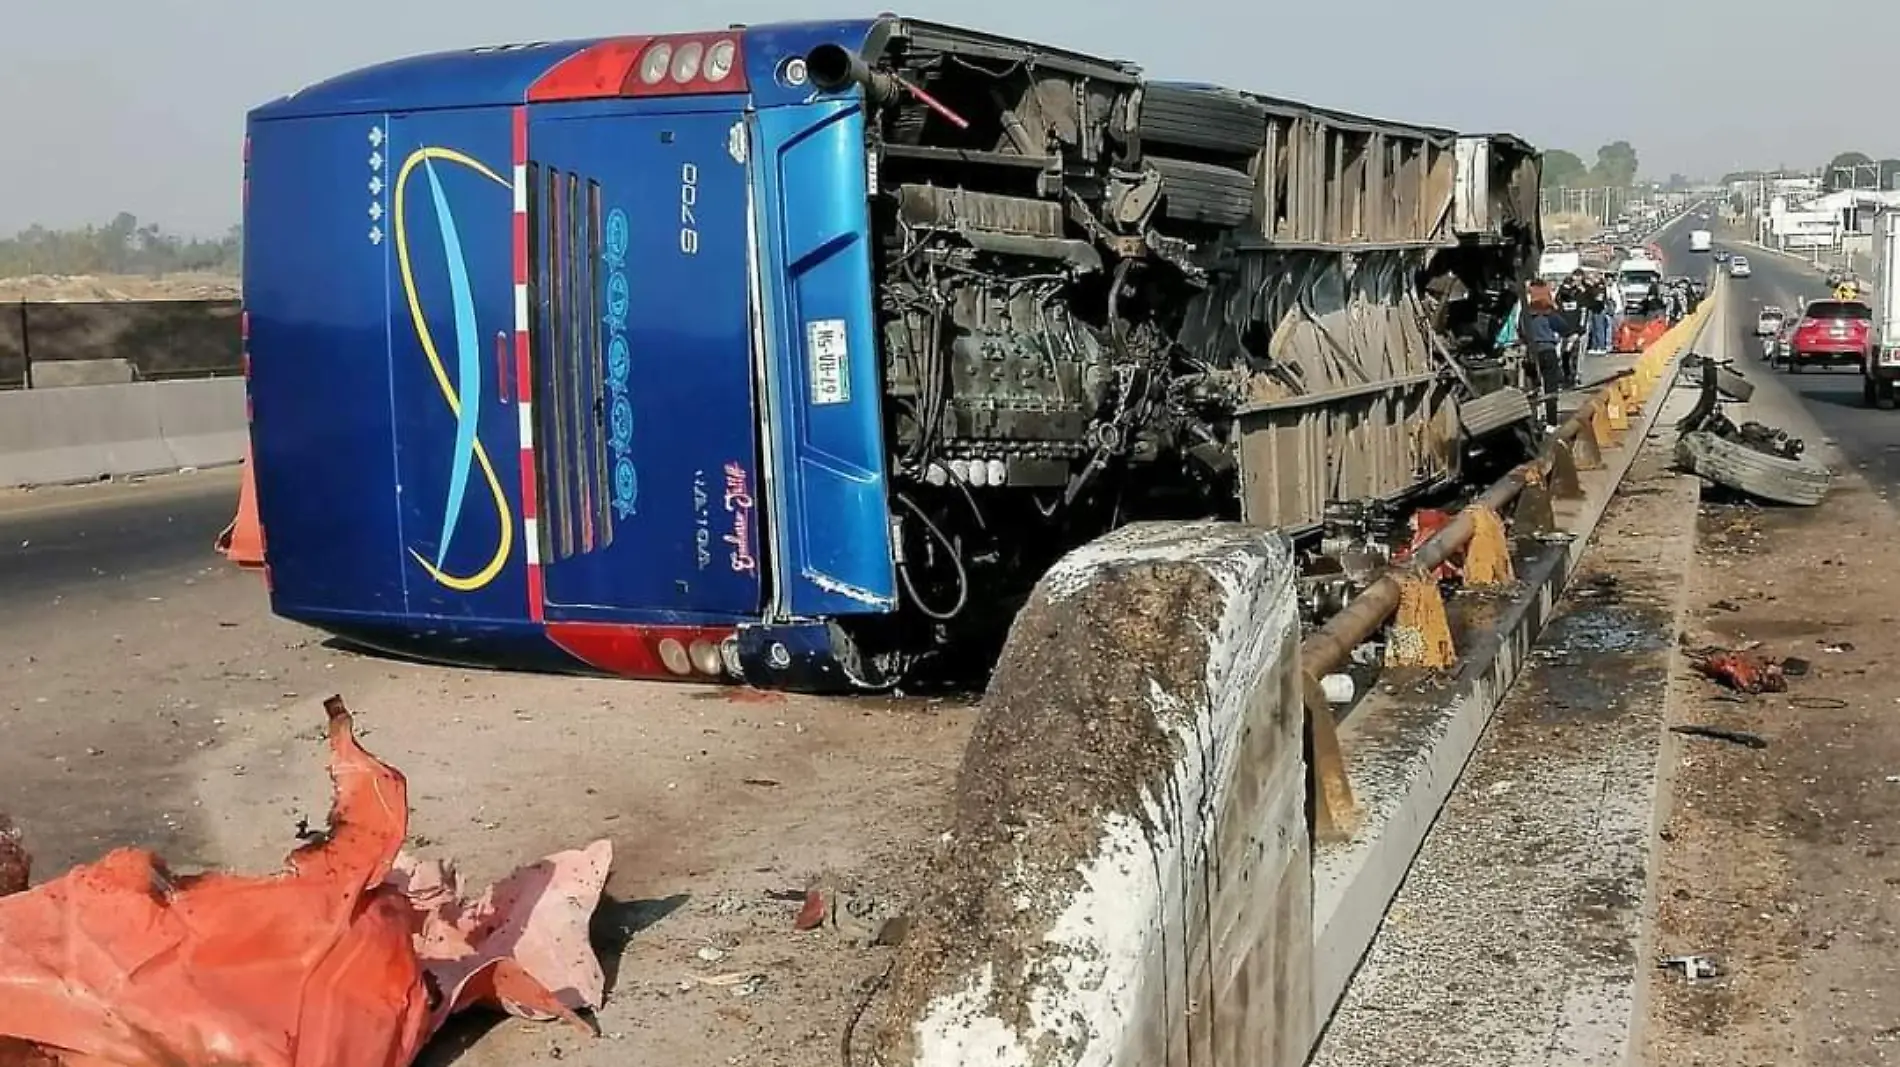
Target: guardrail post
1336,812
1488,553
1564,482
1421,631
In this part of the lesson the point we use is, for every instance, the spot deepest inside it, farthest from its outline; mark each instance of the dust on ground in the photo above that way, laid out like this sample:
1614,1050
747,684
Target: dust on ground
1781,863
164,707
89,288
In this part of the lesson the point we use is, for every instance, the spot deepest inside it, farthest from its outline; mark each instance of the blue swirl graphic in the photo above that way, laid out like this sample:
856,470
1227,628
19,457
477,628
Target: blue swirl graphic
467,358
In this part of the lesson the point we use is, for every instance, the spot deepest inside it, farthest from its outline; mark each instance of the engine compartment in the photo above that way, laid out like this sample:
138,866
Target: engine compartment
1106,299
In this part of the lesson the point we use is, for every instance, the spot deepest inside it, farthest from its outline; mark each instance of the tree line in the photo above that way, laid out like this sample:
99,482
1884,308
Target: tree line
1615,168
121,246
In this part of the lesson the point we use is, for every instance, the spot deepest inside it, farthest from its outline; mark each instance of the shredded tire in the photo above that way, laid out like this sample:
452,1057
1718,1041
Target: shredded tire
1733,385
1785,481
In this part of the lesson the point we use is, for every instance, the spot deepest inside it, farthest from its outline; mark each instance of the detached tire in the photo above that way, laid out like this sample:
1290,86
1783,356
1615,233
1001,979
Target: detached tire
1733,385
1784,481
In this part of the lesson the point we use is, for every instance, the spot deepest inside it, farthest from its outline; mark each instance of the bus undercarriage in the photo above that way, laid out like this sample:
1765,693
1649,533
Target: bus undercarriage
1105,299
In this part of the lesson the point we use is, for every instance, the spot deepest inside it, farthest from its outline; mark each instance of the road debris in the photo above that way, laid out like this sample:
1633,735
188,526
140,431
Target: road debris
1718,733
351,957
1694,968
862,920
1749,458
1742,671
16,867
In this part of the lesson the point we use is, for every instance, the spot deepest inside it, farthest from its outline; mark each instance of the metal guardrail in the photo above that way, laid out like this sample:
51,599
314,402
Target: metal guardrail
147,340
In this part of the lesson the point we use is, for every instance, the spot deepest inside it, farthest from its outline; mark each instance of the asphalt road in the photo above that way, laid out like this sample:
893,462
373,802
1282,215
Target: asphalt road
105,540
1868,438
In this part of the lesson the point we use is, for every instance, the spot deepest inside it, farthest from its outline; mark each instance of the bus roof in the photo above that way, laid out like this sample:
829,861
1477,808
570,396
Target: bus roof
498,75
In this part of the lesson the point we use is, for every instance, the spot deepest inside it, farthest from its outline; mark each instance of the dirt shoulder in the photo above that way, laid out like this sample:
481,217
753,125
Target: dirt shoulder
150,699
1781,863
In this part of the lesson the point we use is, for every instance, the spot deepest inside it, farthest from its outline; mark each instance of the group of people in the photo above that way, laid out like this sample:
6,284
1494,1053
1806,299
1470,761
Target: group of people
1579,316
1591,304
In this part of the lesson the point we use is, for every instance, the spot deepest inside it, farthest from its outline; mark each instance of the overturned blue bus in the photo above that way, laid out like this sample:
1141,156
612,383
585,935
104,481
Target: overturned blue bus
793,354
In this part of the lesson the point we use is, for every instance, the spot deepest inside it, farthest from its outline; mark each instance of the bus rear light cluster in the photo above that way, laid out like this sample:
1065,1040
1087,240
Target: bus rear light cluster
687,61
683,653
674,65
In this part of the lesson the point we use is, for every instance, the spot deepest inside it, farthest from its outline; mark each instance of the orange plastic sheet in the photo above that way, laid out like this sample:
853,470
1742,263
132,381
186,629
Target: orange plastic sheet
331,963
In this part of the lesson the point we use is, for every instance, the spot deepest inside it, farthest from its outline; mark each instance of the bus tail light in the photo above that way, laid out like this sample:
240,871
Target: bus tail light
679,64
658,653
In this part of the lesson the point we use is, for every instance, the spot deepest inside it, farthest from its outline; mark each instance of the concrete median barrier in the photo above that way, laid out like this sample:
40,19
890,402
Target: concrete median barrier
1128,874
84,433
1132,874
202,422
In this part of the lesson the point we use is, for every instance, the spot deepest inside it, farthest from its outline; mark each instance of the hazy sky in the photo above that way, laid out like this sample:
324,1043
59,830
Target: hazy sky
138,105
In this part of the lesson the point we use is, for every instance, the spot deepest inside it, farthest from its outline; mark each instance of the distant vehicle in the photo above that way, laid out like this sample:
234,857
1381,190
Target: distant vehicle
1880,371
1635,277
1721,257
1738,267
1700,240
1553,265
1768,323
1832,333
1782,344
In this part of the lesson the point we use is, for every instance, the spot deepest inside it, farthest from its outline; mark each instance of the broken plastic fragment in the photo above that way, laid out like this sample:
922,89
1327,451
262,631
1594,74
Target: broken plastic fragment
522,946
323,965
121,962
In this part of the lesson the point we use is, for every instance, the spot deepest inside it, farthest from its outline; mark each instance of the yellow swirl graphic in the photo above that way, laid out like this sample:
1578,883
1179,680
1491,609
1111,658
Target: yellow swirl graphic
505,543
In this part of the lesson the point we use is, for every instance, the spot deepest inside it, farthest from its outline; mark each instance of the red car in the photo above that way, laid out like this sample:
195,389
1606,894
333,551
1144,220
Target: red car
1831,333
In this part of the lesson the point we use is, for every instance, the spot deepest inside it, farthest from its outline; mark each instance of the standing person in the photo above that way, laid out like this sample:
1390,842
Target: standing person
1598,304
1570,302
1543,329
1612,312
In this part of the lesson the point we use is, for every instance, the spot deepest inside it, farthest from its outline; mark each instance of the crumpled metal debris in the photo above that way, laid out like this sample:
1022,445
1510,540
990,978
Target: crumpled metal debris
330,963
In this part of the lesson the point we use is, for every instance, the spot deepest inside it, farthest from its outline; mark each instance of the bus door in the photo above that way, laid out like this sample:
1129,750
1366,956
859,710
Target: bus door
645,442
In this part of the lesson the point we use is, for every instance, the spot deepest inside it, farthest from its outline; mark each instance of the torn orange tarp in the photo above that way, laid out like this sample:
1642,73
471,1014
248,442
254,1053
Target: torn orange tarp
328,964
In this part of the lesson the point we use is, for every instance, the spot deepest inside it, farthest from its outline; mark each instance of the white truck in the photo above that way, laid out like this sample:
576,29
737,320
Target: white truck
1635,277
1556,266
1700,240
1880,371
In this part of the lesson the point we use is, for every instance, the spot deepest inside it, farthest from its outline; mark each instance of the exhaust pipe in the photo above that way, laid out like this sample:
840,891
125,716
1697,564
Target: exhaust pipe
832,67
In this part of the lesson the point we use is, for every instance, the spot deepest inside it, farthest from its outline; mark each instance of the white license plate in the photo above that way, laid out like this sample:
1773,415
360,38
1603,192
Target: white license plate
829,358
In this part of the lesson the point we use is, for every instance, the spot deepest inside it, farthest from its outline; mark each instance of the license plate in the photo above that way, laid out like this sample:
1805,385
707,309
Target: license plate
830,362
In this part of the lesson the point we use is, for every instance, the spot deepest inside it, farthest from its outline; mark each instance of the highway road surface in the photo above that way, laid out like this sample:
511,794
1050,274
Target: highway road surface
108,540
129,647
1867,438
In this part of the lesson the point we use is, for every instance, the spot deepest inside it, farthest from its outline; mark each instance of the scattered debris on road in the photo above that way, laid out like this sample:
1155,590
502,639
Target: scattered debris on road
1694,968
16,867
352,957
1749,458
1742,671
1717,733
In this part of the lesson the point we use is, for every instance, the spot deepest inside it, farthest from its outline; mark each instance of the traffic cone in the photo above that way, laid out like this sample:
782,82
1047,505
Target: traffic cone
242,542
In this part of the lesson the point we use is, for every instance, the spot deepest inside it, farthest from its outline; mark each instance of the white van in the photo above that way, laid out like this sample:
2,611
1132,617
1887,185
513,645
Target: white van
1700,240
